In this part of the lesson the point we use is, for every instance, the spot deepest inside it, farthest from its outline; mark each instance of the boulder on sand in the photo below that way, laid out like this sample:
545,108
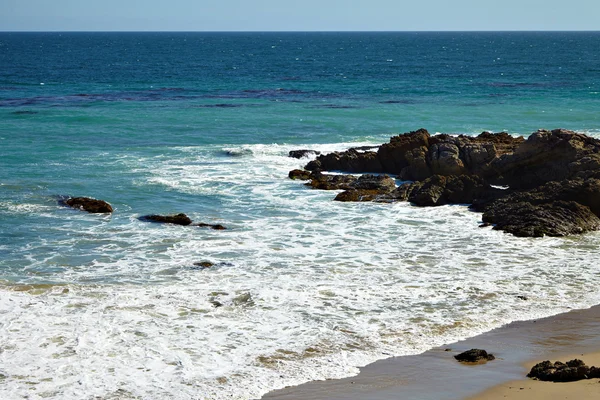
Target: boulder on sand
474,355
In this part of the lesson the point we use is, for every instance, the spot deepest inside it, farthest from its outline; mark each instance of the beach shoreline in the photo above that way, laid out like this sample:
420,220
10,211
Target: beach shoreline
436,375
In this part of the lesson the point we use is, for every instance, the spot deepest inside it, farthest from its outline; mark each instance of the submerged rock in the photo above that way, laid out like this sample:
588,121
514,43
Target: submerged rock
217,227
203,264
474,355
87,204
177,219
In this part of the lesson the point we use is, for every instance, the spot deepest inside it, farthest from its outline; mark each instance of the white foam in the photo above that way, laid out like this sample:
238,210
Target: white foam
302,288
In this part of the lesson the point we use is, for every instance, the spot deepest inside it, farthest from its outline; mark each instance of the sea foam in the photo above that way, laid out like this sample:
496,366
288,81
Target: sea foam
302,287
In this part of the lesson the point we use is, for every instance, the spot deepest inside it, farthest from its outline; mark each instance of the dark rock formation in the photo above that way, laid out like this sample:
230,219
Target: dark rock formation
322,181
203,264
298,174
474,355
558,218
177,219
570,371
439,190
418,155
369,188
552,179
553,209
217,227
349,161
303,153
545,156
87,204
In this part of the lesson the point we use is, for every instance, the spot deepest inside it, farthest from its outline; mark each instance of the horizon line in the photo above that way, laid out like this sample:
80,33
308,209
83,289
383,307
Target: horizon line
301,31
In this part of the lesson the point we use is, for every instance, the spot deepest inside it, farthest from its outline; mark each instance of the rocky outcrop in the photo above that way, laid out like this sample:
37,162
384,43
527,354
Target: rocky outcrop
474,356
546,156
298,174
87,204
439,190
570,371
318,180
552,179
418,155
553,209
369,188
558,218
349,161
302,153
177,219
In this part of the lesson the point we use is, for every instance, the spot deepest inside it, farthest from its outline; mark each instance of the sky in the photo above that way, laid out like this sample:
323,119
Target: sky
298,15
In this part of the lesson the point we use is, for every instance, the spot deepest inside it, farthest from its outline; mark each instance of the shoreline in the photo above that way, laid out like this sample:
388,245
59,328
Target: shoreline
436,375
529,389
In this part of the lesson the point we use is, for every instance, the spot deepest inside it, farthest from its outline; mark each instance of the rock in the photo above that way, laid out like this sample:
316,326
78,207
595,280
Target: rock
439,190
204,264
381,183
418,155
365,148
553,209
177,219
369,188
392,155
573,370
552,179
302,153
474,355
299,174
546,156
444,159
360,195
217,227
558,218
348,161
331,182
87,204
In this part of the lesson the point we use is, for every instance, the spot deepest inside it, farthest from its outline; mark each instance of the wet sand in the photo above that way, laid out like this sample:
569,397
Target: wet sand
436,375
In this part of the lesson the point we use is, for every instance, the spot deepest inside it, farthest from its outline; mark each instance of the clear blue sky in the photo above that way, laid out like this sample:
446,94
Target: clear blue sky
298,15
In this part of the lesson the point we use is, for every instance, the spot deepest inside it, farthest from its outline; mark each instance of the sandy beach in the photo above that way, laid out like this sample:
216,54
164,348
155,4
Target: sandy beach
436,375
533,389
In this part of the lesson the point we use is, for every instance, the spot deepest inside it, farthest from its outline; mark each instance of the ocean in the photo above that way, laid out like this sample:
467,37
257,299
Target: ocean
302,287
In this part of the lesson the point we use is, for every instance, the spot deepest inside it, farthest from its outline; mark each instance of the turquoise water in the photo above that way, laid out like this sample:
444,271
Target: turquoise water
202,123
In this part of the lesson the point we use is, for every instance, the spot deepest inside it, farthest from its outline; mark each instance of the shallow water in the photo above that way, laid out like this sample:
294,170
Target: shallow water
303,287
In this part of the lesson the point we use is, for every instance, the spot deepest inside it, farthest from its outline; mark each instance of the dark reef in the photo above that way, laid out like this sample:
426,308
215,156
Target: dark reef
545,185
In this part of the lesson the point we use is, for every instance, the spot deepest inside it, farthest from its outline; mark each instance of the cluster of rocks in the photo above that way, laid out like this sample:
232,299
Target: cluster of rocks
547,184
570,371
102,207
